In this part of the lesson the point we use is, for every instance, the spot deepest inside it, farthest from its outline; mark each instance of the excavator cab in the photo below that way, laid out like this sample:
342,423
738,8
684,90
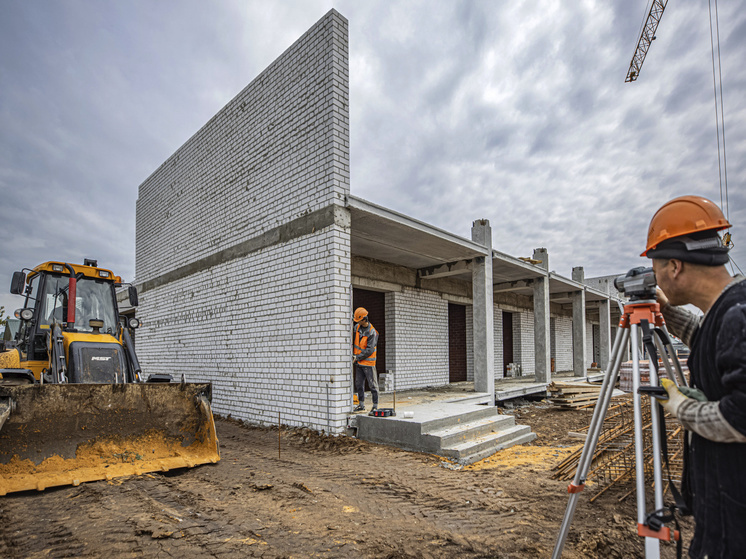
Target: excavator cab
74,405
74,302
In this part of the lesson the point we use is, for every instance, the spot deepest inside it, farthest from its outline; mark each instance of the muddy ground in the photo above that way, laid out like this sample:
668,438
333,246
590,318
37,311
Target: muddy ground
318,496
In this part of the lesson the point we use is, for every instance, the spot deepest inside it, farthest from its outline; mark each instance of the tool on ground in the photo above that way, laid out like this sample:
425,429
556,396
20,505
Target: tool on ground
74,405
383,412
641,316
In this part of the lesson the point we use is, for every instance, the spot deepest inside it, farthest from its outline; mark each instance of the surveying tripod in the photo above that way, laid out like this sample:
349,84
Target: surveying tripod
638,316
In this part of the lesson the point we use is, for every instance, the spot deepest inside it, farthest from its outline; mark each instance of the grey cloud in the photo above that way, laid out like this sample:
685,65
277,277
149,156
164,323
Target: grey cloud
100,94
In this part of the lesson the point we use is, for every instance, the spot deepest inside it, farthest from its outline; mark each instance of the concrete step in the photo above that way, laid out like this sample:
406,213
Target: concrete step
469,452
470,430
461,415
465,432
467,459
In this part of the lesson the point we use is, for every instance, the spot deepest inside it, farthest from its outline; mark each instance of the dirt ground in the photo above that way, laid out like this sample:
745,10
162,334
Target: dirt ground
305,495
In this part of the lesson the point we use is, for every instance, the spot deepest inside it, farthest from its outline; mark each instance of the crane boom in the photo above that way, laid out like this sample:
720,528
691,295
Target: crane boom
646,37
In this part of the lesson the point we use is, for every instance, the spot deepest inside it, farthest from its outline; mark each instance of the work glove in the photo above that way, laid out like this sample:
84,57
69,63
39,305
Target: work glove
679,395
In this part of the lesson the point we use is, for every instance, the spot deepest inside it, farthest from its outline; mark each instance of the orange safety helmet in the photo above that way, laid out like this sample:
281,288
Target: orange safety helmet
683,216
360,313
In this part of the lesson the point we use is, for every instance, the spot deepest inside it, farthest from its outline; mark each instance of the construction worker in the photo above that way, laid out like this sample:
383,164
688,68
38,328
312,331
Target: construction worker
689,260
364,357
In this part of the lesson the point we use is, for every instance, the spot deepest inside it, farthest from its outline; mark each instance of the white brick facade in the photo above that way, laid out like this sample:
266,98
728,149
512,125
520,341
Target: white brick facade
417,338
243,245
561,334
588,343
523,341
243,258
497,322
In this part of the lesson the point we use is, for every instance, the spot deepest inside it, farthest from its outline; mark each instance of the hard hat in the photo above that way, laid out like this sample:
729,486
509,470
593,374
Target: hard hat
360,313
683,216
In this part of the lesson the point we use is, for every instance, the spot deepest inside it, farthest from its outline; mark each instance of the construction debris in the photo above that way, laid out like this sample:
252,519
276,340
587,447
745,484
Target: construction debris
614,457
574,395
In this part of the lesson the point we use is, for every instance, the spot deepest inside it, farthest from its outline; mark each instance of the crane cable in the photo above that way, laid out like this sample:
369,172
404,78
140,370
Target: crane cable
717,77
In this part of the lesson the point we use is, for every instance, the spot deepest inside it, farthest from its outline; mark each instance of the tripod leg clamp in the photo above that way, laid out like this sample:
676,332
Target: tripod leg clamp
664,533
572,488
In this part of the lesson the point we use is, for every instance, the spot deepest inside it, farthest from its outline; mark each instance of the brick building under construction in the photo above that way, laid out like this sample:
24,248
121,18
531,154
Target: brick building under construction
251,254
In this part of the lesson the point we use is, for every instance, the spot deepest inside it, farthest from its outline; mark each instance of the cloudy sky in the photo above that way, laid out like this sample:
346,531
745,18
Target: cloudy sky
460,110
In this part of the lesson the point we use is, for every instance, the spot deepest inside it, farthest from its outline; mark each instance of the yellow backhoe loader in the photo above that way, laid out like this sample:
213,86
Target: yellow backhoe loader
74,404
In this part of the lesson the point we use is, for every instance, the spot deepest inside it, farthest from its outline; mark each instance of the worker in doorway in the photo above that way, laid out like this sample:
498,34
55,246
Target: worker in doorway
364,357
689,260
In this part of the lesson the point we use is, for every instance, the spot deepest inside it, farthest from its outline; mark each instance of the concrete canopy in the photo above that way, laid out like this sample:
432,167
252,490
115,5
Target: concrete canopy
381,234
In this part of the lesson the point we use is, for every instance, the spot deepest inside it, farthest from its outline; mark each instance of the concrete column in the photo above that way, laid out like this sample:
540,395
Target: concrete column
484,349
542,255
604,328
579,367
542,332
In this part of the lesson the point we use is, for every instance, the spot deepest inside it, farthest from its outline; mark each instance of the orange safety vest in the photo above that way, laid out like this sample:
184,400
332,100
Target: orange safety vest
360,344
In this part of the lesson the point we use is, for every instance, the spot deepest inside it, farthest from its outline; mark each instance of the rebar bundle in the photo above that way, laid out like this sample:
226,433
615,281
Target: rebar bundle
614,458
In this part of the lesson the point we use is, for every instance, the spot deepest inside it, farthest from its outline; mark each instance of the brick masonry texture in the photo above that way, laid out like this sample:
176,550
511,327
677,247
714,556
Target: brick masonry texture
523,341
417,345
561,334
269,328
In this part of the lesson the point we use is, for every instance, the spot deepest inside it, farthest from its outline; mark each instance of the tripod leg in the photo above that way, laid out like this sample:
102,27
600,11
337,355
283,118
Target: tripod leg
675,373
656,434
652,545
589,449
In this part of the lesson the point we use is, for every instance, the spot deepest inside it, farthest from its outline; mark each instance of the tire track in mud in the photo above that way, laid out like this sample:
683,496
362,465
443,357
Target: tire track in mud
438,503
322,497
441,498
44,533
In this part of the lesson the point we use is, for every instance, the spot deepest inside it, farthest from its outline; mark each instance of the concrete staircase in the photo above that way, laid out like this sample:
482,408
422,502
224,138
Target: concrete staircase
462,431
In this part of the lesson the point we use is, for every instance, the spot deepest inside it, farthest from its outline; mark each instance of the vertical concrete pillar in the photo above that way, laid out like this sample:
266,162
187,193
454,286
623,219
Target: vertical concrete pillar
542,333
604,327
542,255
579,367
484,349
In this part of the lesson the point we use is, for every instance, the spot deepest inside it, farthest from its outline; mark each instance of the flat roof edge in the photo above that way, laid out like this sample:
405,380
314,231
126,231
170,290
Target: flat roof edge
386,213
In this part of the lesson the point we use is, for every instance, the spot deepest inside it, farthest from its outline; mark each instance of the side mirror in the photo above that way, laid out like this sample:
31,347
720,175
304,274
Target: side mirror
18,283
133,295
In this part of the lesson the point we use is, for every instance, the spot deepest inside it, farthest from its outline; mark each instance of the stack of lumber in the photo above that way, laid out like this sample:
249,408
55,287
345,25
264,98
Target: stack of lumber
573,395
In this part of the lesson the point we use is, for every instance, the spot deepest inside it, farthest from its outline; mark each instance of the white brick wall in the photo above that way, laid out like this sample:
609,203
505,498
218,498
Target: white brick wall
497,321
278,150
523,341
417,338
562,343
270,326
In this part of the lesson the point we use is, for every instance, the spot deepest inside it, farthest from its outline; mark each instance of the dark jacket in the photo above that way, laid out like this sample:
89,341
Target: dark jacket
715,478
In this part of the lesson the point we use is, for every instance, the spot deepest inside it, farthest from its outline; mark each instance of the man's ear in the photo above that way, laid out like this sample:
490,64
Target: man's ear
677,267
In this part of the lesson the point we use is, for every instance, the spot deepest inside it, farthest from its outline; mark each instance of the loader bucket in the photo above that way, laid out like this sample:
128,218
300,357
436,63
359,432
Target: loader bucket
67,434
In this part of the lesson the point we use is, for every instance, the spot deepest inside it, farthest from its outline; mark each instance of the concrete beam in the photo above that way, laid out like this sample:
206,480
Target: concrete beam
445,270
483,338
512,286
564,295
